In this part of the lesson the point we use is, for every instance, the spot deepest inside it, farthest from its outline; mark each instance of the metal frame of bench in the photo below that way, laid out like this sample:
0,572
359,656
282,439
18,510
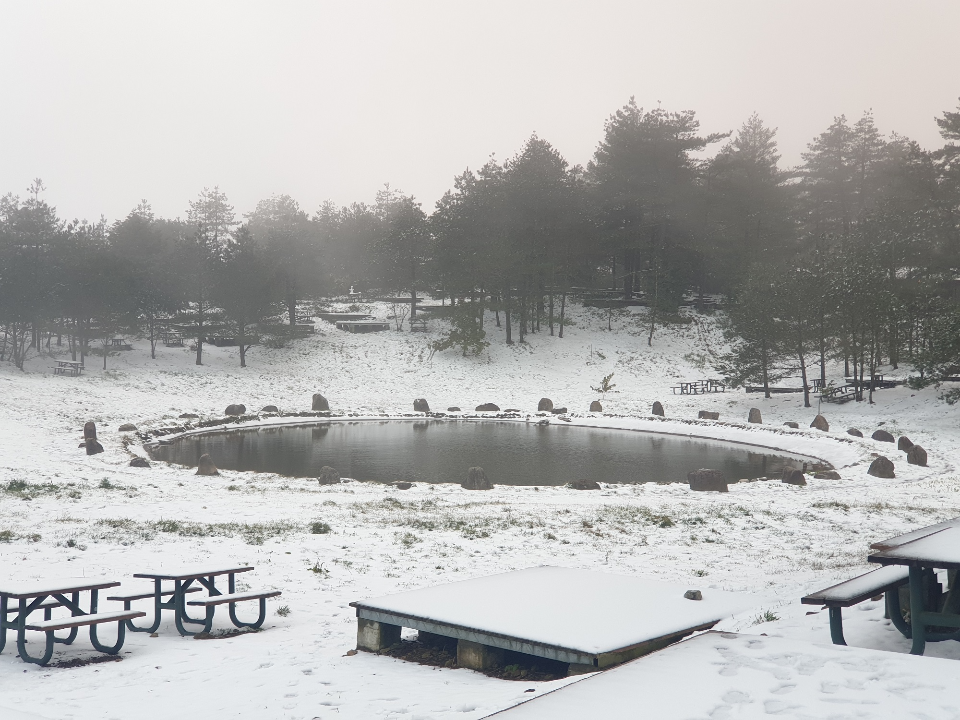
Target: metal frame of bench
158,606
233,598
74,623
835,605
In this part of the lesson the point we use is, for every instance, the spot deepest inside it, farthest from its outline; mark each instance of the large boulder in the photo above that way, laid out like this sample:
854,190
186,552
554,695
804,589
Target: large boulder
791,424
127,427
235,410
93,447
883,436
595,406
545,405
705,479
488,407
904,443
559,411
820,423
139,462
916,455
854,432
269,409
421,405
585,485
90,430
476,480
320,403
453,409
657,409
206,467
881,468
708,415
754,416
793,476
827,475
328,476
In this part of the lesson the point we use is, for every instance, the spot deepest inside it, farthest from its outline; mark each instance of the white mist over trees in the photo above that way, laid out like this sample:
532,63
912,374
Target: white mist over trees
851,256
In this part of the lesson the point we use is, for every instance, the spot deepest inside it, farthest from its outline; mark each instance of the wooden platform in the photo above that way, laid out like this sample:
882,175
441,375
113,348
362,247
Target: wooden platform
362,326
588,619
727,675
336,316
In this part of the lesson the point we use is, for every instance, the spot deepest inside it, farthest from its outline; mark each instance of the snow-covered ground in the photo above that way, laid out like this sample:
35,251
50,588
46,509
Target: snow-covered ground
95,516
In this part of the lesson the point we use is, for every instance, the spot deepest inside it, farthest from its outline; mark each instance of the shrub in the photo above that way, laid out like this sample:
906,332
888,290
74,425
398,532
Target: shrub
318,527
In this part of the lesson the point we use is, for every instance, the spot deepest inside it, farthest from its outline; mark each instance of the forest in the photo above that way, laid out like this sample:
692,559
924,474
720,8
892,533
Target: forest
852,256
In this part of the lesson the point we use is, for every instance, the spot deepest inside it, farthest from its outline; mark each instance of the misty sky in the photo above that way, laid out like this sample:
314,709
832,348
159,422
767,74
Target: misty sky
111,102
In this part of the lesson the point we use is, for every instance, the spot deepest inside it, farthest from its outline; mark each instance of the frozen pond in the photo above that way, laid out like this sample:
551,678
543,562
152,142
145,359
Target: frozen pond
438,451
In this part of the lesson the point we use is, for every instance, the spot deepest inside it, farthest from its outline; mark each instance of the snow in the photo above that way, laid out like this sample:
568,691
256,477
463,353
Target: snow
915,535
93,517
185,573
859,586
746,676
552,606
15,588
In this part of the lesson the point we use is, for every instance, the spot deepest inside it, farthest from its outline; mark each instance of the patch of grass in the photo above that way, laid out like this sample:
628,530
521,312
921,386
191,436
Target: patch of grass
105,484
765,617
319,569
318,527
7,536
283,610
233,487
407,539
823,505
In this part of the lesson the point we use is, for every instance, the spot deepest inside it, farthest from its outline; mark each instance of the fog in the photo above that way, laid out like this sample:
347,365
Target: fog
111,102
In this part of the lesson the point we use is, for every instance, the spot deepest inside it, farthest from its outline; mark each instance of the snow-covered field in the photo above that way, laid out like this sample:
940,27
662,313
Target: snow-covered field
95,516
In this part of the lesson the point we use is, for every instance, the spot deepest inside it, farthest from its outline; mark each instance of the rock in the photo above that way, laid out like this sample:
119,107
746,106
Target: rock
127,427
235,410
420,405
139,462
916,455
904,443
882,436
854,432
90,430
657,409
827,475
545,405
269,409
585,485
93,447
754,416
693,595
513,410
328,476
206,466
559,411
708,415
595,406
881,468
189,416
320,403
791,424
488,407
402,485
453,409
793,476
820,423
476,480
707,480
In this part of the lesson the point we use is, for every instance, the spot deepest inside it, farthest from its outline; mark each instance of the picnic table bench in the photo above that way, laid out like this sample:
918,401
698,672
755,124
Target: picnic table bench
183,584
68,367
47,595
838,394
911,559
418,324
699,387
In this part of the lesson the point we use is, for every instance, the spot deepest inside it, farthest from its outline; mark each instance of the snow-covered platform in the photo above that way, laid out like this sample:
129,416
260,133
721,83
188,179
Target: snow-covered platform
724,675
588,619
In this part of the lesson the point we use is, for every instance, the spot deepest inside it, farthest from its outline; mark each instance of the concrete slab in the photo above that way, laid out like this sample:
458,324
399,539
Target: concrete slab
573,616
724,675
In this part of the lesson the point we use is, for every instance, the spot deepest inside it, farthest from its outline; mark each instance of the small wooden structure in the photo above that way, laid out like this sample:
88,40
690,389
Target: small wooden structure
547,612
362,326
418,324
699,387
334,317
72,368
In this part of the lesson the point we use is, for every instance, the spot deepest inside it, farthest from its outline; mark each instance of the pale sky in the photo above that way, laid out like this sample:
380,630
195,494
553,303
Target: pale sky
111,102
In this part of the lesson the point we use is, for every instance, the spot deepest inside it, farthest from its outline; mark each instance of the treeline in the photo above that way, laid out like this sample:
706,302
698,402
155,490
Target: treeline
851,255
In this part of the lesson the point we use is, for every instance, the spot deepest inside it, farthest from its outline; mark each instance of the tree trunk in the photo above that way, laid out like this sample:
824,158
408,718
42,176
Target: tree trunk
292,310
763,369
506,316
563,304
803,376
551,313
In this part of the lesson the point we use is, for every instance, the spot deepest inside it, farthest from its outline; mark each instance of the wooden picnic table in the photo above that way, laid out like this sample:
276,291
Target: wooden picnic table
699,387
48,595
68,367
923,552
183,584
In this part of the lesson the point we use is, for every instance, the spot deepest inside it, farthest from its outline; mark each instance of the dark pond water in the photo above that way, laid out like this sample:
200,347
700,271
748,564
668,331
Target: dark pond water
442,451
